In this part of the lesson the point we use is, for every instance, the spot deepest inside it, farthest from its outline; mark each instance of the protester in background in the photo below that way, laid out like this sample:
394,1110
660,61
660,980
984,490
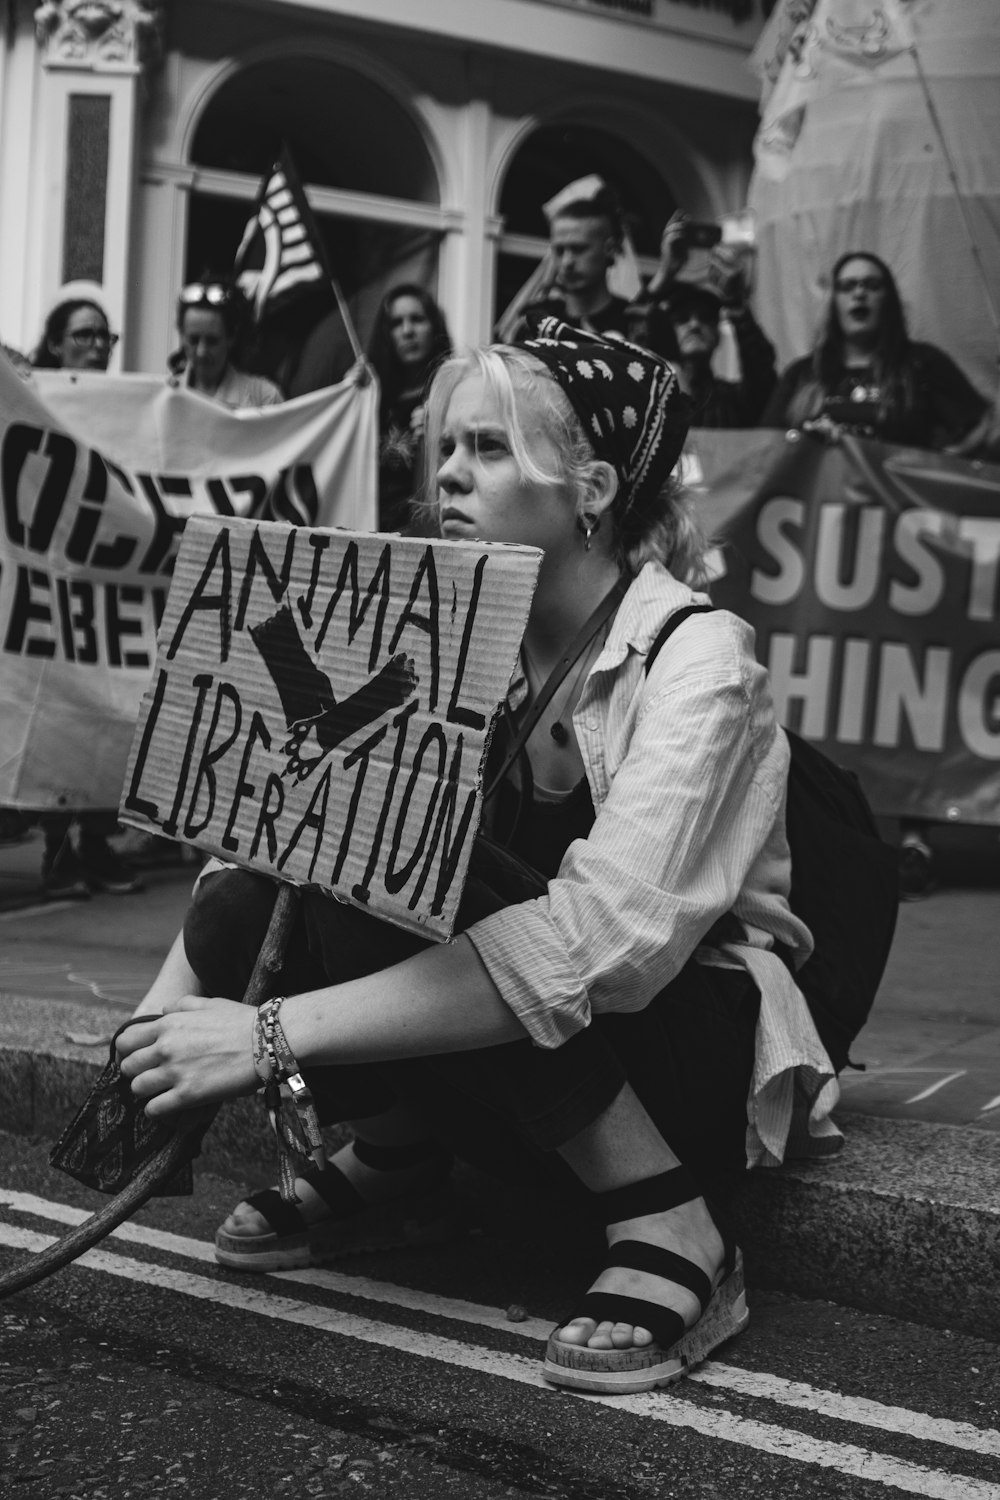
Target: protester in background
586,1027
410,339
684,327
77,336
212,319
585,238
866,376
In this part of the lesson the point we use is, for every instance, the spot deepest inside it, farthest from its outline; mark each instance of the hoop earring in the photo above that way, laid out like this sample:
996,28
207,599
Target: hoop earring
588,525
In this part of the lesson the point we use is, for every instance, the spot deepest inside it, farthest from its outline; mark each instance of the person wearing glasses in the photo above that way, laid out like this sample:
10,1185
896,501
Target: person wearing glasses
77,336
866,376
212,317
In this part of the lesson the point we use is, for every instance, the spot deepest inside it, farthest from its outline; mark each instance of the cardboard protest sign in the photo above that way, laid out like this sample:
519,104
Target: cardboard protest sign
98,477
871,574
322,703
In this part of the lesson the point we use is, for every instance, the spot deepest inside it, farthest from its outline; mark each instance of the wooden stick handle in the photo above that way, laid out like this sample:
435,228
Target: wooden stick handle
162,1166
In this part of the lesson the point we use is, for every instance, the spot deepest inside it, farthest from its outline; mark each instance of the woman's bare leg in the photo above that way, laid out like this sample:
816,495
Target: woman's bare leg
623,1146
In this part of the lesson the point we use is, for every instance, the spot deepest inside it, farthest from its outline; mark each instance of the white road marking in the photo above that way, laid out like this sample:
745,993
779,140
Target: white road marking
926,1094
993,1104
671,1409
759,1385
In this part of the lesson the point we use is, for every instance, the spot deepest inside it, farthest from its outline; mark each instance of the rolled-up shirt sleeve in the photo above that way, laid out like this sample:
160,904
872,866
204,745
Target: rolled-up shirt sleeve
688,811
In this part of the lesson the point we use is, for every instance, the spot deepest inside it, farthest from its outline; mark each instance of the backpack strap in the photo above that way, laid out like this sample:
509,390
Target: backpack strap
728,928
677,618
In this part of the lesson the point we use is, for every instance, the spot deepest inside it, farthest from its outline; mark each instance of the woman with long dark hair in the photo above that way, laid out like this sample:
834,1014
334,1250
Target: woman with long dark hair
408,343
212,319
867,376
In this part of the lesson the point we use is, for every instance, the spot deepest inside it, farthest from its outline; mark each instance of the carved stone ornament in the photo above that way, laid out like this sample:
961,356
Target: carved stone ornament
101,33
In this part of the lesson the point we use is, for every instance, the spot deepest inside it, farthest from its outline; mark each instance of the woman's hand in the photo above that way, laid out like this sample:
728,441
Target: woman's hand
199,1052
825,428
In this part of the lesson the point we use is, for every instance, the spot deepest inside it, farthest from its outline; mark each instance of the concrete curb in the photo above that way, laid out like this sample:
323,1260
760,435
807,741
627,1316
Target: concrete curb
906,1220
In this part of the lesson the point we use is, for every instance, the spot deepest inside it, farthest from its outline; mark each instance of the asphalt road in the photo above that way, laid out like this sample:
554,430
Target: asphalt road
149,1371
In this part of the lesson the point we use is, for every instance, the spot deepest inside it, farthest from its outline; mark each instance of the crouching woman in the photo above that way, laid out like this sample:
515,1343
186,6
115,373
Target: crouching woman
613,1014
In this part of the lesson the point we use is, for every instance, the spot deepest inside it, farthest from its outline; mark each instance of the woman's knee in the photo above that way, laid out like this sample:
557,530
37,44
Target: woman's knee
224,928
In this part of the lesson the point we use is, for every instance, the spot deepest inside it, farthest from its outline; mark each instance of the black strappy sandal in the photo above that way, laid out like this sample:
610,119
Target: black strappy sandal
676,1349
431,1216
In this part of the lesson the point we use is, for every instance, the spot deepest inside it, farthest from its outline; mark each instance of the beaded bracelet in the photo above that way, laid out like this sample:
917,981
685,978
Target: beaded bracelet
296,1128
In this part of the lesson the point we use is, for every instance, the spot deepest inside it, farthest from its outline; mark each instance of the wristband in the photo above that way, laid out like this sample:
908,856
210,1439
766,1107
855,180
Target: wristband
287,1097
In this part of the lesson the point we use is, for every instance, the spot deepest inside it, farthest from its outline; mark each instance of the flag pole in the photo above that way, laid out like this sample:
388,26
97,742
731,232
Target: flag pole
351,331
963,207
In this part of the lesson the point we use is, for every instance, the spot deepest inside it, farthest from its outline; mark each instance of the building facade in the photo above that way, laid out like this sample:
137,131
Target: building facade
428,133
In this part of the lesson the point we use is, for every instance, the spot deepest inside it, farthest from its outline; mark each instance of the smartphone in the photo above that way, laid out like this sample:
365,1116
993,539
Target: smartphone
703,236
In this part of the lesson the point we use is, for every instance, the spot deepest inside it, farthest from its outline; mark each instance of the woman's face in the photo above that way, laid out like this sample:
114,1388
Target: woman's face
481,495
206,346
859,297
411,331
85,343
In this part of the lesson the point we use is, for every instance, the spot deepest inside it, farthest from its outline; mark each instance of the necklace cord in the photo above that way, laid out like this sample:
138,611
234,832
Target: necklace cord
577,648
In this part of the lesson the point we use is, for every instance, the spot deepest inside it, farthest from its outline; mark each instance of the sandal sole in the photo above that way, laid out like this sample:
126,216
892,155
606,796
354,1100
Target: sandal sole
623,1372
430,1221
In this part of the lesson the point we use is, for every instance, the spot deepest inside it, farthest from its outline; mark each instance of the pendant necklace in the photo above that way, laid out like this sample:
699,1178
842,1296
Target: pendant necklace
557,729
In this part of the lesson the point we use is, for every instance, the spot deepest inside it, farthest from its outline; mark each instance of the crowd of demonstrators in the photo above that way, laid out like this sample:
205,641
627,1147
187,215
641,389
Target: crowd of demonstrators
682,323
77,336
866,376
409,340
213,320
585,1030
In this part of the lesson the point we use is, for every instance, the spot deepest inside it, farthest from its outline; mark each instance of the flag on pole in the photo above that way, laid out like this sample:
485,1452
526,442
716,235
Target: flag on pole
808,49
281,257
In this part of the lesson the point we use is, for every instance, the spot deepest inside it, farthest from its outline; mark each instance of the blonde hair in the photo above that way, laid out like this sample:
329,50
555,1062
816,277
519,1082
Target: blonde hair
665,531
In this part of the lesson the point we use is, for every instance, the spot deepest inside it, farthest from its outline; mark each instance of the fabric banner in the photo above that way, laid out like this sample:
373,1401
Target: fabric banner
98,475
871,575
868,171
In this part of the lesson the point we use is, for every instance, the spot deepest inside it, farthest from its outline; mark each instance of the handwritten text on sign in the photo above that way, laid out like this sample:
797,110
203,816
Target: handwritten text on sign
321,706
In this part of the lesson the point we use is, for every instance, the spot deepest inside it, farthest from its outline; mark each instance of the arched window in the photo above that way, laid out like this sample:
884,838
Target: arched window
370,178
552,157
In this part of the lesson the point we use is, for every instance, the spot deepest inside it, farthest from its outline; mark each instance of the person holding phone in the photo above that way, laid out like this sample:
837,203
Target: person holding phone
684,319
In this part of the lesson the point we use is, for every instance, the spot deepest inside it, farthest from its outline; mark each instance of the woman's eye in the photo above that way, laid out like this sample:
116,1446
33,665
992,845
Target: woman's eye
491,447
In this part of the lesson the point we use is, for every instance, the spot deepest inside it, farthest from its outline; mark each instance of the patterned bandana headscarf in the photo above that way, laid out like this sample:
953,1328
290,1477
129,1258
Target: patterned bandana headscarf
628,400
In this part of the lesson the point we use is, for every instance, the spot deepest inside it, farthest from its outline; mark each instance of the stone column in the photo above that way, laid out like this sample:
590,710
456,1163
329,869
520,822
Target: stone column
94,55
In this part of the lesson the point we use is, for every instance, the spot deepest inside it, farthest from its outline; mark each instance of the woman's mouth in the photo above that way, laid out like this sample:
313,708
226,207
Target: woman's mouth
455,520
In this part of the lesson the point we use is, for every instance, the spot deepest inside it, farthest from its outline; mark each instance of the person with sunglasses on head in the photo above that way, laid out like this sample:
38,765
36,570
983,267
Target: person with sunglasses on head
866,376
212,319
597,1027
77,337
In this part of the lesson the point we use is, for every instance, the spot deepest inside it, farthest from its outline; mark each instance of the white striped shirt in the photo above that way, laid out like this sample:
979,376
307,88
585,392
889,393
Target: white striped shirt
688,774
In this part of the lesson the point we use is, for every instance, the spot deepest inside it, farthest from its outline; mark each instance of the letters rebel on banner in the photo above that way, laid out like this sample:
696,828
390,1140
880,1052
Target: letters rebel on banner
871,575
98,475
321,707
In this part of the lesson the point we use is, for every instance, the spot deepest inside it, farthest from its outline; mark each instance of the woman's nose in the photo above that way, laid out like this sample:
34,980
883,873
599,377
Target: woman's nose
453,473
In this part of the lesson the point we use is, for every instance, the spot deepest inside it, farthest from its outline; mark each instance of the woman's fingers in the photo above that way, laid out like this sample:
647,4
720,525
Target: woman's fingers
198,1052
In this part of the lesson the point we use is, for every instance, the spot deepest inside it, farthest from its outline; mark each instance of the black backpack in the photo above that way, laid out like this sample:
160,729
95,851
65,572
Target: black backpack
845,884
